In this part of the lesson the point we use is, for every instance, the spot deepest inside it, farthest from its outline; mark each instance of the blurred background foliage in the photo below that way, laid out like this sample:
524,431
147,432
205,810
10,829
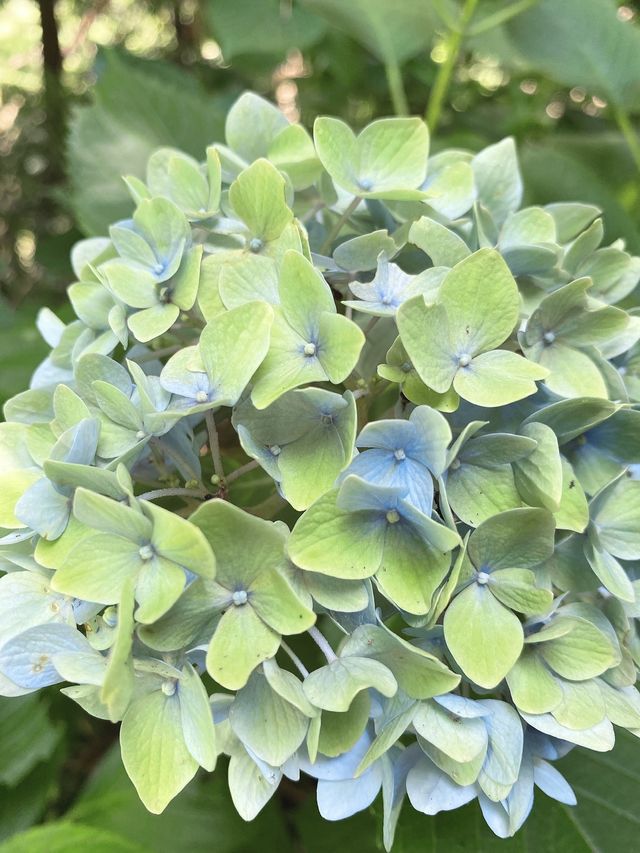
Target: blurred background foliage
87,90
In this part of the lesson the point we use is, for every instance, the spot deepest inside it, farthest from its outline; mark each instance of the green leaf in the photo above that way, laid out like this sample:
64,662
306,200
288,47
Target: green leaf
108,801
154,752
483,636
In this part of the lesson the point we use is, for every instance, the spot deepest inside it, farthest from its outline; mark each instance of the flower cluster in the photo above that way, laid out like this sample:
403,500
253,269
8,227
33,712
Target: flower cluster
333,474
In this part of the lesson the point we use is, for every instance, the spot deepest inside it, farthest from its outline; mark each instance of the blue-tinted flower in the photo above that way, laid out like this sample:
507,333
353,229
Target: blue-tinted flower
405,455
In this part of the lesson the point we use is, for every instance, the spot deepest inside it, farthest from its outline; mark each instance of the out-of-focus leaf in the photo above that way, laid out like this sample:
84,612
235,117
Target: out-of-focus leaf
393,32
63,837
25,803
605,819
281,26
200,819
138,107
27,737
21,348
572,170
582,43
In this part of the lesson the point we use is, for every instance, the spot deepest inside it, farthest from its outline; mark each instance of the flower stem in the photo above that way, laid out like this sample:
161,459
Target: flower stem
244,469
304,672
629,132
323,644
337,228
154,494
396,87
443,77
214,446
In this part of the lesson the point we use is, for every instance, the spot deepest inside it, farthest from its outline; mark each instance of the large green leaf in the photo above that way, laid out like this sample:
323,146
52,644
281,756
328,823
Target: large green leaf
573,169
605,820
27,736
237,23
63,836
582,43
392,34
138,107
199,818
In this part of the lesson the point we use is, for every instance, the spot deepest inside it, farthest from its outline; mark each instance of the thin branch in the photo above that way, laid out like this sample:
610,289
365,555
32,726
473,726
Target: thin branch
323,644
372,322
244,469
85,25
445,72
154,494
304,672
396,88
629,132
337,228
214,446
501,16
158,353
268,508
